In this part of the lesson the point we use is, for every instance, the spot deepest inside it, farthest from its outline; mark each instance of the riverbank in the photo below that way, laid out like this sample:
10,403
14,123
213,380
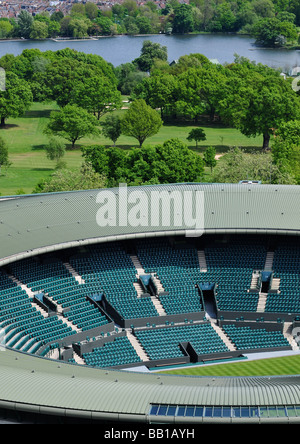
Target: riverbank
121,49
194,33
60,39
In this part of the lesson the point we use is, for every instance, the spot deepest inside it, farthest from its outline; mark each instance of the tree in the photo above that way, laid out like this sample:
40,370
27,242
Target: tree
57,16
39,30
274,32
5,28
149,52
176,163
84,178
78,9
183,20
4,160
256,100
25,21
264,8
72,123
188,101
97,95
79,27
140,121
129,76
286,148
53,28
69,70
111,127
106,25
15,99
238,165
170,162
159,91
91,10
144,25
55,150
196,134
224,19
210,157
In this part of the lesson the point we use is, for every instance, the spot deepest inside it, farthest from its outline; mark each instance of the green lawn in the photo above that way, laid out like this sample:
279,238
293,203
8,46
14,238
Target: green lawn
288,365
25,139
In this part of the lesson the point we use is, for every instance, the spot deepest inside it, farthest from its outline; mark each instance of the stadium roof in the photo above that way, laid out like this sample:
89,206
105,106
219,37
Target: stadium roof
46,222
44,386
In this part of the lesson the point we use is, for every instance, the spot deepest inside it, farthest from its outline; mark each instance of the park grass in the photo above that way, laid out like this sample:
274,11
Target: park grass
26,140
287,365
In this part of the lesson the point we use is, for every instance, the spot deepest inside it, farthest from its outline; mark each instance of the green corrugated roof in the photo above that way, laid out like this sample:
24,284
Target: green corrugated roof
29,223
41,382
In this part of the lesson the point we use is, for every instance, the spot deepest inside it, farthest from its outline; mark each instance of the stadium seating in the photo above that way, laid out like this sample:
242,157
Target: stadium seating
178,271
117,352
162,343
107,269
286,266
53,279
231,267
111,269
247,338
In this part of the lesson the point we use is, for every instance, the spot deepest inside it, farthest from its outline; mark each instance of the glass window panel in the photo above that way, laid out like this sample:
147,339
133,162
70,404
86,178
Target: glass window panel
291,411
245,412
297,408
189,411
217,412
254,412
280,411
162,410
199,411
181,411
208,412
171,410
236,412
263,412
154,409
273,411
226,412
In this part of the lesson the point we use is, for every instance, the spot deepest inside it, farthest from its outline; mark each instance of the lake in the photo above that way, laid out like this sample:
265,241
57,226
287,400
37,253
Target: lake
122,49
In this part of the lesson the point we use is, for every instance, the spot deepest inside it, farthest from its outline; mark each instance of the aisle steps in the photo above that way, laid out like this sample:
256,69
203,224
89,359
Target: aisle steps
202,261
137,346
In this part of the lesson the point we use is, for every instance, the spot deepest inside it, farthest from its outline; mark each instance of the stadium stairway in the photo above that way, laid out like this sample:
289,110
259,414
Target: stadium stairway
158,305
138,288
20,284
65,320
74,273
261,304
223,336
136,262
78,359
158,284
287,333
137,346
254,280
275,284
140,271
269,261
29,292
202,261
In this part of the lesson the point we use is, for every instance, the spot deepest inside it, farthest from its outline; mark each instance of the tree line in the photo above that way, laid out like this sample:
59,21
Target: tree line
271,22
251,97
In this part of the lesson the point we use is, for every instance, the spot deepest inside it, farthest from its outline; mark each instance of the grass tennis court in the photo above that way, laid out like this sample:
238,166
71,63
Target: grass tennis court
287,365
